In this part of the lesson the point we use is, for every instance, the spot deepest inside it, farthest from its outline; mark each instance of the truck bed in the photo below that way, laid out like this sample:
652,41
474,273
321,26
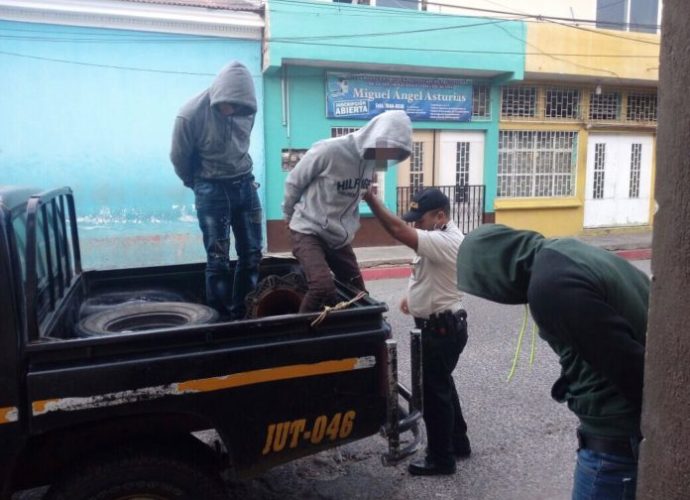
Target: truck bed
274,388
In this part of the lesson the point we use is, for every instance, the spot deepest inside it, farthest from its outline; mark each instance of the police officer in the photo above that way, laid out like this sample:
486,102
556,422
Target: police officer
435,302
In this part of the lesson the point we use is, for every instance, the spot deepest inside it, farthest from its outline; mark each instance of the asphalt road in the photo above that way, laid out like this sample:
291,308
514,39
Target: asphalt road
523,442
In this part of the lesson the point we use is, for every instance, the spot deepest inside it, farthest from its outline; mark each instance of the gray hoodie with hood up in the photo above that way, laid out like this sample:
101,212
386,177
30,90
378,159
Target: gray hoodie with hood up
207,145
323,191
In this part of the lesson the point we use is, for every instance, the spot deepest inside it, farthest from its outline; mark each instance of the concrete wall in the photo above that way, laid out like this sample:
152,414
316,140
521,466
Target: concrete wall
633,64
94,109
580,9
665,453
344,33
632,56
299,52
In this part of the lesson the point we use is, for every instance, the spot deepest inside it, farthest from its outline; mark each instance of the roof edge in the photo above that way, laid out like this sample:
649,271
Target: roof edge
137,17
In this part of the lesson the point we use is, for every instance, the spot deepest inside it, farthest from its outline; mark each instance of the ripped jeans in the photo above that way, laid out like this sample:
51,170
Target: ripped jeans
222,205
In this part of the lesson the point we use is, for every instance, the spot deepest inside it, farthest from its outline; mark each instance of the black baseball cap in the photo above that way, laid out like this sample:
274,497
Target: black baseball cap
424,201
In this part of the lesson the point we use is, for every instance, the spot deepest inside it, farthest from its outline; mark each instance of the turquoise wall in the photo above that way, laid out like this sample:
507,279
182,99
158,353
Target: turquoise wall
307,123
362,34
416,43
94,109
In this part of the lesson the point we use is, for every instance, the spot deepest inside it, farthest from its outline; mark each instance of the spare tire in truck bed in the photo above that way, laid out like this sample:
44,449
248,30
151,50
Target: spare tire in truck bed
114,298
141,317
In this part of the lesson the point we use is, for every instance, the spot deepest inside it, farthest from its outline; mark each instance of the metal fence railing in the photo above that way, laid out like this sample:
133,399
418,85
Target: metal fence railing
467,203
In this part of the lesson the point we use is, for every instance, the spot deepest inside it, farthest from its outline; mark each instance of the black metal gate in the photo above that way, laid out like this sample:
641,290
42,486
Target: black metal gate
467,203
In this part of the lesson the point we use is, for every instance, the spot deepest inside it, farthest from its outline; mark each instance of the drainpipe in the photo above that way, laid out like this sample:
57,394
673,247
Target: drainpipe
433,157
285,96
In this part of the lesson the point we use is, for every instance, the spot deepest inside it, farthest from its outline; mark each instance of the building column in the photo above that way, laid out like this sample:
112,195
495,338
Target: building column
665,454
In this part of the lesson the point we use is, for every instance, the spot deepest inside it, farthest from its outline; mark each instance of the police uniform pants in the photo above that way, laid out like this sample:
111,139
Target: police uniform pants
443,417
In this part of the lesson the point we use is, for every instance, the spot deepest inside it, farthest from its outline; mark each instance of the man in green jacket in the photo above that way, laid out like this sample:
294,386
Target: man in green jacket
591,307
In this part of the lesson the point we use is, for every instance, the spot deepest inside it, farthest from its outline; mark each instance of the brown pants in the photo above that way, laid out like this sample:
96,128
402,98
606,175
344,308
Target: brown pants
317,261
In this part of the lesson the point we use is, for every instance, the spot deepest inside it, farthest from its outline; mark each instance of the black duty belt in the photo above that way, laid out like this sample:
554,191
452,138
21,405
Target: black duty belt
614,446
434,319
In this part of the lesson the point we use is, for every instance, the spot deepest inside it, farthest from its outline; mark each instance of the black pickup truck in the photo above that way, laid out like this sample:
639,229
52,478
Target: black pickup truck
104,400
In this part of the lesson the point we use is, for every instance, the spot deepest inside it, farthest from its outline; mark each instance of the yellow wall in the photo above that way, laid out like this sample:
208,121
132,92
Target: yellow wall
546,45
549,216
558,40
551,221
431,152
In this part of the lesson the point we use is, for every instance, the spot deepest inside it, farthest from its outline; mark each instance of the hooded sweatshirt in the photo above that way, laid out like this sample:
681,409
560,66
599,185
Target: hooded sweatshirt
590,306
207,145
323,191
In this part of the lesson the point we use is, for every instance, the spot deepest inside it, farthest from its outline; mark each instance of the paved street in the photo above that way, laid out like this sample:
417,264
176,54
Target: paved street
523,442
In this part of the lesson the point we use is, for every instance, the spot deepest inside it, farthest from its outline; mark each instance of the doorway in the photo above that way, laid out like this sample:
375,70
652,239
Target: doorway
618,182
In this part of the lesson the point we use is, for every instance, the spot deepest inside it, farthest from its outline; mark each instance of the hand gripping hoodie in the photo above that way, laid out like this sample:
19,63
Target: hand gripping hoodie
323,191
590,306
208,145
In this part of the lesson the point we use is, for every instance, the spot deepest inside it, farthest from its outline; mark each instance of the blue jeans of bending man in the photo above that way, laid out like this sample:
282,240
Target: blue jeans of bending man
221,206
603,476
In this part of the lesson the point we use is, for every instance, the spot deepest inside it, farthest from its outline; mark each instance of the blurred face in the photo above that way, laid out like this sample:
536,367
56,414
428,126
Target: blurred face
383,155
431,220
225,108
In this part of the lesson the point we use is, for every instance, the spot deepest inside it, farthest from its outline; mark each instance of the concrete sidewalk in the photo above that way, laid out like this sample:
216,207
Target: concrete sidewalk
630,245
633,246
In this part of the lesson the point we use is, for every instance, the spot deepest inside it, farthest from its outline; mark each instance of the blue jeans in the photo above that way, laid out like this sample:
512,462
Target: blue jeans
602,476
222,205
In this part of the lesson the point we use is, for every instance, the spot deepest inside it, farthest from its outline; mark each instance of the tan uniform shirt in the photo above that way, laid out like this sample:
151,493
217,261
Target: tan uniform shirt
432,287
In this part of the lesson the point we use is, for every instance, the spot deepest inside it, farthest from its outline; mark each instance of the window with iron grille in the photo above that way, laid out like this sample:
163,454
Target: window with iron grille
481,102
641,106
339,131
519,102
462,163
536,164
635,167
604,106
599,170
417,166
562,103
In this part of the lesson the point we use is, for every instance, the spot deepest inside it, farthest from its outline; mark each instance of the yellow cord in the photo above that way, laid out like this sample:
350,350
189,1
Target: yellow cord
340,305
534,342
533,346
519,347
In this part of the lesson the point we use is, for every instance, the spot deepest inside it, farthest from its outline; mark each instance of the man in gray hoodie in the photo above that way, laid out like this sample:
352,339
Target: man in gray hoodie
210,152
322,195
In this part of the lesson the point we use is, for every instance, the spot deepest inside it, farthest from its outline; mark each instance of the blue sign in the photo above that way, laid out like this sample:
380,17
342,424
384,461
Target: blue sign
363,96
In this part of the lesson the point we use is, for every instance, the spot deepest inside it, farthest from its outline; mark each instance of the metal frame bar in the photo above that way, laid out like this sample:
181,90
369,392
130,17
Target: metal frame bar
398,419
37,203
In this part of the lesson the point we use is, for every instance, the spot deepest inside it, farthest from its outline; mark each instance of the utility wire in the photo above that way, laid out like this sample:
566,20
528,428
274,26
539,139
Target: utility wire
116,38
461,51
106,66
603,33
560,59
389,33
119,39
123,37
488,11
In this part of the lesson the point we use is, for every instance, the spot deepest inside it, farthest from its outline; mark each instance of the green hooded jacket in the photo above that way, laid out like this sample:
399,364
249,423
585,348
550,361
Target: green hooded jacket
590,306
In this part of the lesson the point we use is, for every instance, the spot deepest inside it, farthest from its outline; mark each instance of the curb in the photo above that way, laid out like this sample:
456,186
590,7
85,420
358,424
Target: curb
637,254
386,273
404,271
